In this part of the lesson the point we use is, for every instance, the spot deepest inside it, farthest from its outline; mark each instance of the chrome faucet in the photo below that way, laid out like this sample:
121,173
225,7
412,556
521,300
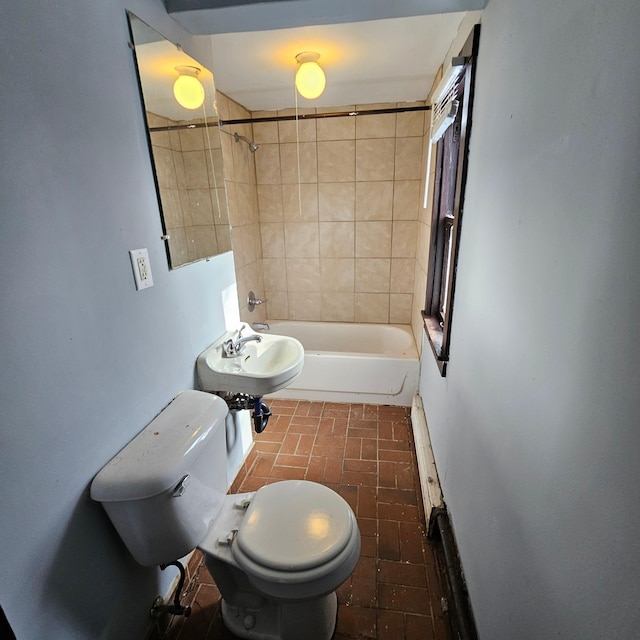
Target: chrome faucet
235,347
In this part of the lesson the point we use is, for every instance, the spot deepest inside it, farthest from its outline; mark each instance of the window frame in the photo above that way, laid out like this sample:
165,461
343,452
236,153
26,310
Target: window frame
438,328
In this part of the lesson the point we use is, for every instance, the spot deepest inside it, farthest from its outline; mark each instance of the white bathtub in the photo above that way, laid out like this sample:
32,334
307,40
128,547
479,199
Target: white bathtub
345,362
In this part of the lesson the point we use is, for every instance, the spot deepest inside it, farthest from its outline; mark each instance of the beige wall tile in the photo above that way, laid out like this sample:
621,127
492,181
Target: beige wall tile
191,139
277,305
223,237
376,126
410,123
336,161
336,201
402,275
337,275
265,132
201,242
215,172
195,167
289,162
178,246
400,308
404,239
372,307
270,202
165,167
300,202
171,208
373,239
372,275
268,164
211,137
337,307
374,200
408,159
275,274
422,245
301,239
303,274
341,128
200,206
272,237
337,239
406,199
304,306
306,130
375,159
226,148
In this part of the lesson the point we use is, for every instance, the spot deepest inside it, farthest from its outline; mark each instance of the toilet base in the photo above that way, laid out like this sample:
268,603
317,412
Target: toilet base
310,619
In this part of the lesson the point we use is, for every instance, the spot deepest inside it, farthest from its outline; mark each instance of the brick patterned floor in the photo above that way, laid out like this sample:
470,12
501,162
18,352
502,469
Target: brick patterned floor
365,453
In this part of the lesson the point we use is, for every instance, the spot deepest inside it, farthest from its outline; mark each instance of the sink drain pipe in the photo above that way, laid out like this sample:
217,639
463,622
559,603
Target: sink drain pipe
261,415
462,620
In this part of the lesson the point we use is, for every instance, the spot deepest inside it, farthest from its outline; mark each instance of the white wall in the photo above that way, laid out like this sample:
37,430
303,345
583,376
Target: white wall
536,426
86,361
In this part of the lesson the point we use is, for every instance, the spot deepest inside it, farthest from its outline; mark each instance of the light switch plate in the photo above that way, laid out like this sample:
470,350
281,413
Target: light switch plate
141,268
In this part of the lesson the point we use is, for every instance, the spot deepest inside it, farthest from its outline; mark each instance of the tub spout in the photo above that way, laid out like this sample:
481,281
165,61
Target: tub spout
260,326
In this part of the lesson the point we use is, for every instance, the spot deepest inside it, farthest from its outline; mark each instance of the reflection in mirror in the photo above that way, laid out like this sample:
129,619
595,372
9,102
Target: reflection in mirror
185,145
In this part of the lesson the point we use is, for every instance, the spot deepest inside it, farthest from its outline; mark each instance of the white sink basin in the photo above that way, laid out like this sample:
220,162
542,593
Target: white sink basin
261,367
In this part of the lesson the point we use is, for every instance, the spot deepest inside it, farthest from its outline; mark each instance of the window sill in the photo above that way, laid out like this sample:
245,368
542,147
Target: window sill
434,333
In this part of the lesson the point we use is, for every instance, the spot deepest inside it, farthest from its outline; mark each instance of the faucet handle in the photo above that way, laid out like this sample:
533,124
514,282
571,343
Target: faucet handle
253,302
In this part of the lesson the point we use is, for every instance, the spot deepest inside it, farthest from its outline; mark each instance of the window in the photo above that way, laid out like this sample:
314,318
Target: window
451,129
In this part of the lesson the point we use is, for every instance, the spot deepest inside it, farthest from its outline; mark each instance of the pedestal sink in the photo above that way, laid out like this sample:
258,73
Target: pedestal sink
260,367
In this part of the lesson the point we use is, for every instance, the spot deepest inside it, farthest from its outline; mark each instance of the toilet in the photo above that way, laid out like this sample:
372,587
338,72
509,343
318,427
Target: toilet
277,554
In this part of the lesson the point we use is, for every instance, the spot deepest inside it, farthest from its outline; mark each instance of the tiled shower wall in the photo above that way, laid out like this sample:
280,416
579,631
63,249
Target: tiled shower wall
242,199
189,171
342,246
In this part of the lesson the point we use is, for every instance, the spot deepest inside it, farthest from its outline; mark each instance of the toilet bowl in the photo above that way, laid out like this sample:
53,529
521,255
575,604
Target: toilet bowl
277,555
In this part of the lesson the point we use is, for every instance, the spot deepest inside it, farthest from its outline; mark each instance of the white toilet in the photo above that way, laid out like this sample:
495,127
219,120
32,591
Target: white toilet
277,555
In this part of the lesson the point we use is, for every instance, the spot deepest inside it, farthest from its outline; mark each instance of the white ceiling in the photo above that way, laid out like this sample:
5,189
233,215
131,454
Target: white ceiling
394,59
391,60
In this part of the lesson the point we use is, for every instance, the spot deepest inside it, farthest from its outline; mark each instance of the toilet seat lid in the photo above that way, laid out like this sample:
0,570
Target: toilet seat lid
295,525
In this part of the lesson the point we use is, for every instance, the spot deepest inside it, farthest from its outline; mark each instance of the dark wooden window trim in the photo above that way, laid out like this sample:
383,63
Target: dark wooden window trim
438,329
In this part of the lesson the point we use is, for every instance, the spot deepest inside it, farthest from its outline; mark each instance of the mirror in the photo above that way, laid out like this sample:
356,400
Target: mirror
185,148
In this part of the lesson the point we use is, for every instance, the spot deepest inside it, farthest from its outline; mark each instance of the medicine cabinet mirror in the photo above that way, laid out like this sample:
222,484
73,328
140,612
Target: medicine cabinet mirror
185,148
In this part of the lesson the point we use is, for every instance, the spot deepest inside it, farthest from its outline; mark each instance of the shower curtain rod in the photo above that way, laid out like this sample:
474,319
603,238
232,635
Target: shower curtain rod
301,116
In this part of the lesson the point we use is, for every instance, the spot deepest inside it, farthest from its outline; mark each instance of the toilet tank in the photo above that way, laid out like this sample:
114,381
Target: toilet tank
165,488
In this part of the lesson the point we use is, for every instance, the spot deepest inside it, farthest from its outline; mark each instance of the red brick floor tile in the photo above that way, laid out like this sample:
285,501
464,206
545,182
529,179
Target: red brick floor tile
414,575
404,598
367,502
419,628
367,466
389,540
364,453
288,473
363,583
353,448
360,478
397,496
390,625
286,460
369,449
398,512
356,622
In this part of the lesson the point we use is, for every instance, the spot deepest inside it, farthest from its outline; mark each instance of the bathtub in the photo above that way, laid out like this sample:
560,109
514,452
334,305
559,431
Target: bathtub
345,362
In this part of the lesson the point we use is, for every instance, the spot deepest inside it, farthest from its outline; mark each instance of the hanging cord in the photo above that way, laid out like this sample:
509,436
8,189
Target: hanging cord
295,91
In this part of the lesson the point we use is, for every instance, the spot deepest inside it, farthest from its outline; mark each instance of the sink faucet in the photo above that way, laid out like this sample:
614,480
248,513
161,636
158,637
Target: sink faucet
236,347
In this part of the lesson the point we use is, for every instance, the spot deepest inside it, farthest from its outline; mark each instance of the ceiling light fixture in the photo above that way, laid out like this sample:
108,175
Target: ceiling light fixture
187,89
310,80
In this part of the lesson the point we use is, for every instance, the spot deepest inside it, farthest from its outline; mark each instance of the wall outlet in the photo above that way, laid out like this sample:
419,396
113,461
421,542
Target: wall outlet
141,268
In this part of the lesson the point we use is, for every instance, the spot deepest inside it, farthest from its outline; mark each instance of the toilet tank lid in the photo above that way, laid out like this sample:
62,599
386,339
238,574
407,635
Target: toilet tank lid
164,451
